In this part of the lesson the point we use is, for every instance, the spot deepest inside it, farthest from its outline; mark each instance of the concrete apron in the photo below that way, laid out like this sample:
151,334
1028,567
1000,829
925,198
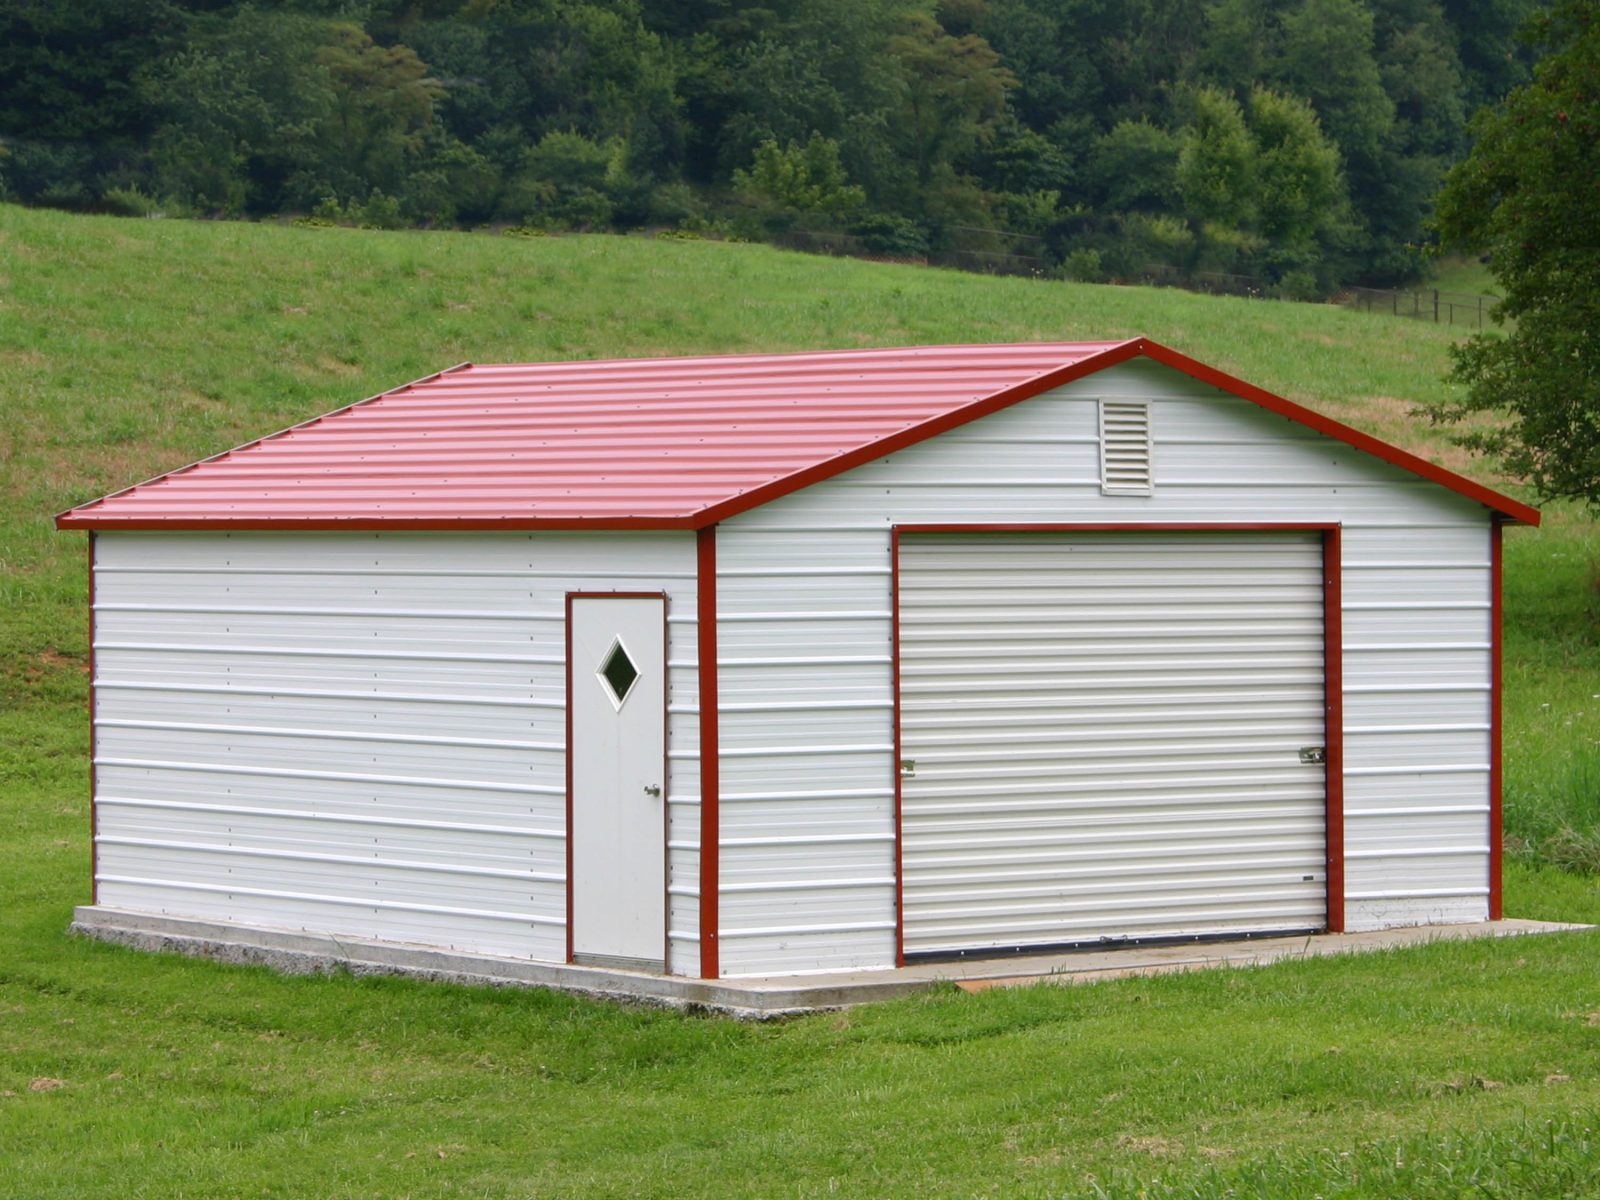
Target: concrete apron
297,952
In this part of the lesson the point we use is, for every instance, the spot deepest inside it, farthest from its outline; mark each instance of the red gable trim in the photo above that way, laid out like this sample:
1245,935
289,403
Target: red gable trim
1513,510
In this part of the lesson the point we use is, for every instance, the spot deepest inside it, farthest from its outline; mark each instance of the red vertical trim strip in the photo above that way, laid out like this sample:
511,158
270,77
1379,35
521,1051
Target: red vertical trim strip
94,790
710,834
666,786
899,824
567,754
1496,781
1333,698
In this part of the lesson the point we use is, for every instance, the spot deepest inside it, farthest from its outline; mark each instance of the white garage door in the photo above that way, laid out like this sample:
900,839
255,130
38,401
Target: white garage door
1102,736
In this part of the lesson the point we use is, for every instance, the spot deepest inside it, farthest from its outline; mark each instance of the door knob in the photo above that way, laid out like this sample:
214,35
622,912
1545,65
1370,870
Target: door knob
653,789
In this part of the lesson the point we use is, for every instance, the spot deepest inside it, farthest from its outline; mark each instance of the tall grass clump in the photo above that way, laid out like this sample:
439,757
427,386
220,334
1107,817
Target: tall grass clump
1552,693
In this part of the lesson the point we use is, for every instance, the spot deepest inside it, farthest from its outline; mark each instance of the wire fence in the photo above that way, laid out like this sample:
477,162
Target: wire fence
1421,304
1426,304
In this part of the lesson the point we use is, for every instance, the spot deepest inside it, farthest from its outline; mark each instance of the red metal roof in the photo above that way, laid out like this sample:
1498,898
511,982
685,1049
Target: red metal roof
634,443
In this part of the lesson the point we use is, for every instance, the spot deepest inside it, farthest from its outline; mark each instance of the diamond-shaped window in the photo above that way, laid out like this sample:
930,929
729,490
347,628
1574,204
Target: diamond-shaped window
618,673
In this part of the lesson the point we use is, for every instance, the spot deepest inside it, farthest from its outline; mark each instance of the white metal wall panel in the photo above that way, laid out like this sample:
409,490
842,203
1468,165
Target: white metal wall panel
363,732
1416,654
1106,732
807,806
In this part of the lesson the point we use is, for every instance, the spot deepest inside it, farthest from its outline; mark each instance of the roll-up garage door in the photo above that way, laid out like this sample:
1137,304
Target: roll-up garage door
1109,736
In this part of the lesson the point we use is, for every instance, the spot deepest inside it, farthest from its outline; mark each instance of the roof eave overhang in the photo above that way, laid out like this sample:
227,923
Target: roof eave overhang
85,520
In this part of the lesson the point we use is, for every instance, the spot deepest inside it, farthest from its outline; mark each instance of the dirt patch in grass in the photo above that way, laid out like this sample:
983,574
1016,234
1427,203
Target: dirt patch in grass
1152,1144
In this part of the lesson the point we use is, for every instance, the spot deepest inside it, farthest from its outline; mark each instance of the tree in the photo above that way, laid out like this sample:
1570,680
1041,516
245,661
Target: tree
71,112
1298,188
1526,193
1134,168
382,109
241,110
955,92
1216,162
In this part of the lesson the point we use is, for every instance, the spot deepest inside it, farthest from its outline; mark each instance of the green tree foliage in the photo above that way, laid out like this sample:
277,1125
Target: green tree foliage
71,112
1216,162
1299,192
953,91
242,108
1134,168
382,109
1099,126
806,178
1526,194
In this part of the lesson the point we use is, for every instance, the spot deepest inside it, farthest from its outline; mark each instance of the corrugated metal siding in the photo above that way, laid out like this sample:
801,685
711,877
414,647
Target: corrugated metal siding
1105,731
363,732
1415,630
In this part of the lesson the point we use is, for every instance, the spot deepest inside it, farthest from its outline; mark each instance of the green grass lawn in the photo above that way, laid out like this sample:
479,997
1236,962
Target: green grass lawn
1466,275
130,347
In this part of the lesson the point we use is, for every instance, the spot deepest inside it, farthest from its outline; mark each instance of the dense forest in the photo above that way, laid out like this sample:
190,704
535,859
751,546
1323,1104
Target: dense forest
1300,143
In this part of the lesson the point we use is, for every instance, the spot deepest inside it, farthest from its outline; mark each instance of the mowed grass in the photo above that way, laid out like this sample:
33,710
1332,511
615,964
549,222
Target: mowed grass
130,347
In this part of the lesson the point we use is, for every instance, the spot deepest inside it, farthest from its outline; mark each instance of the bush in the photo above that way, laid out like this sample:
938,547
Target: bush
891,235
378,211
805,178
673,204
569,181
130,202
1084,265
1167,241
1297,285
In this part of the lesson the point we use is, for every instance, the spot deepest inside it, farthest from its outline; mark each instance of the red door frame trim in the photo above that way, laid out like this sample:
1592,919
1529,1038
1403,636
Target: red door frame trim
710,781
666,898
1333,732
94,788
1496,779
1333,677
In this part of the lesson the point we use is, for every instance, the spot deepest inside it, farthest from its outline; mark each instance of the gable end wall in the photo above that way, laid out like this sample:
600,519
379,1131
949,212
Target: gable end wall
804,644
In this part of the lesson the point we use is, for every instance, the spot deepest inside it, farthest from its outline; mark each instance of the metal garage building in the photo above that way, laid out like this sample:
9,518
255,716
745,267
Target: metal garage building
773,664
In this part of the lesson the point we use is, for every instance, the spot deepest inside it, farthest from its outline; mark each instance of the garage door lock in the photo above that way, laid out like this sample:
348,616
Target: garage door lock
1316,755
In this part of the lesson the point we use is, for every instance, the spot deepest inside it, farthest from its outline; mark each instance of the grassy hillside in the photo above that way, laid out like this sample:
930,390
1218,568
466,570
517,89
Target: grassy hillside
131,347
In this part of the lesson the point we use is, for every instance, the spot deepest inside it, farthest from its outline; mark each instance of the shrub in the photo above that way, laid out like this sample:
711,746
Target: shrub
1297,285
1084,265
891,235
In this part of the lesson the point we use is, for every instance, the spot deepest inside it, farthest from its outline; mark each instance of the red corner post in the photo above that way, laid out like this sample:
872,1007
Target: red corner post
1333,699
1496,829
710,838
94,790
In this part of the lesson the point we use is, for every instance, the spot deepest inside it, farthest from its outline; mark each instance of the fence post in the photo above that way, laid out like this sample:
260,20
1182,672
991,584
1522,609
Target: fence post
1436,306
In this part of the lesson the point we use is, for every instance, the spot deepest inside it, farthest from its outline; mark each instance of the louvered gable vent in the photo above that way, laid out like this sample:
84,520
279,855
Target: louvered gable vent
1125,447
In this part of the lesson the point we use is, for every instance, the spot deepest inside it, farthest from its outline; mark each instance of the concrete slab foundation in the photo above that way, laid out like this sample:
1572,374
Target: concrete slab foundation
299,952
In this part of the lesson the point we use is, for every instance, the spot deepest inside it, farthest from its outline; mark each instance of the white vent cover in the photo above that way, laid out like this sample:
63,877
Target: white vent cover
1125,447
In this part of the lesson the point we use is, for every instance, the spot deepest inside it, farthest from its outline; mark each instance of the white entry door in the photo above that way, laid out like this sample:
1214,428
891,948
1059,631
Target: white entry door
617,692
